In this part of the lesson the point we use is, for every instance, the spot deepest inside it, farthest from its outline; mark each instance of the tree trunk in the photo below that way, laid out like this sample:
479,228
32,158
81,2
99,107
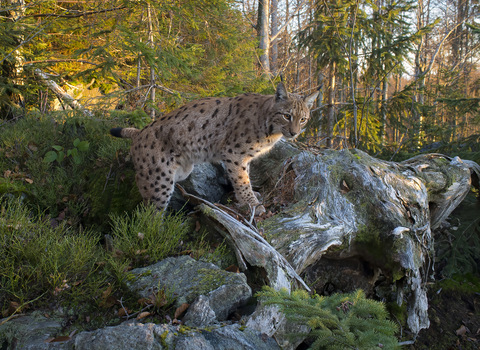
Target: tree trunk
319,109
263,34
61,93
273,65
11,69
420,69
152,68
384,111
331,103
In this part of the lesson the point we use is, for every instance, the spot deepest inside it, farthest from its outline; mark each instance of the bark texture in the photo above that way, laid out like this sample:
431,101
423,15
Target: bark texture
346,204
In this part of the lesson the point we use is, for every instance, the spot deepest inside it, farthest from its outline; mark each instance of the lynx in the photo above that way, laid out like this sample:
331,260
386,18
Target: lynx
232,130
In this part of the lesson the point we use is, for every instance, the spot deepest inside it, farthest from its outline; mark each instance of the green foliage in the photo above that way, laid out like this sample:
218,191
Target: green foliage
340,321
460,284
137,118
199,48
148,235
78,146
96,181
457,246
39,259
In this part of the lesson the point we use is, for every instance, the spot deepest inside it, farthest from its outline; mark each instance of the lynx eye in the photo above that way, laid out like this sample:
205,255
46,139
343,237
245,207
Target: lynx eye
303,120
287,117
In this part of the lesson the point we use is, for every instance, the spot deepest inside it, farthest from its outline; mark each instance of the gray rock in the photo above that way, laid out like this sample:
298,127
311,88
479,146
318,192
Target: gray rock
206,181
235,337
185,279
124,336
134,335
273,323
30,332
198,342
200,313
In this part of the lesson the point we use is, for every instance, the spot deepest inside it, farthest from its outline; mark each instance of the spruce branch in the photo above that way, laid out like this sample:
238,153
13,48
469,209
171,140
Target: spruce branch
339,321
76,15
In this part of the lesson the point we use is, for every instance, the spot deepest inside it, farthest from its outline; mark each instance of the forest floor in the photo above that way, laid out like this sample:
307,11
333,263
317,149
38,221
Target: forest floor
454,322
454,302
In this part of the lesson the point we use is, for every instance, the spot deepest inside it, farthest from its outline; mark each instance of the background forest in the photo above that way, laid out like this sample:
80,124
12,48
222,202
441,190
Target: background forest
395,76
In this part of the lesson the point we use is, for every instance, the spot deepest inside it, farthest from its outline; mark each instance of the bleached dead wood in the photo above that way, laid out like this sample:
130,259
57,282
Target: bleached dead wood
346,204
249,246
60,92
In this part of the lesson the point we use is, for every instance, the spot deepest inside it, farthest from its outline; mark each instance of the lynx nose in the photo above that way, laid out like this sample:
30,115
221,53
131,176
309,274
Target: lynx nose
293,132
289,134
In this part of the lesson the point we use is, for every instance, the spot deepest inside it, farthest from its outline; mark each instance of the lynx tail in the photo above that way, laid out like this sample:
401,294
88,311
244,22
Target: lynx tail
126,133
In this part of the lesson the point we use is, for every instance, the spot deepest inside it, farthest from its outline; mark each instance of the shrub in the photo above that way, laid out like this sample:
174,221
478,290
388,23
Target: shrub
340,321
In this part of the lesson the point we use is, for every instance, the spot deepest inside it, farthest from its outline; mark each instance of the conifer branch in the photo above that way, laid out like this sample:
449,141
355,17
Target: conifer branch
78,14
349,320
60,60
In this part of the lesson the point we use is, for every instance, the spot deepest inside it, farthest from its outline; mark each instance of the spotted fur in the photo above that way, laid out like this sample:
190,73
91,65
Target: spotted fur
233,130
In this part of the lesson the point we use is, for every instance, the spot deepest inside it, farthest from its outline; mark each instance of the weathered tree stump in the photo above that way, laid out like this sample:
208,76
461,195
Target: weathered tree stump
346,217
350,207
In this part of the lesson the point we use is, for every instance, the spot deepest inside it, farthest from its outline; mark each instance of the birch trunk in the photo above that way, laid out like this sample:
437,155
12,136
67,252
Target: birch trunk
61,93
273,65
152,68
263,28
331,104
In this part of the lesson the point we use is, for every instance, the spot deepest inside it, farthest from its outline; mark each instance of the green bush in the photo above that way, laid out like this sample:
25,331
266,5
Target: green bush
340,321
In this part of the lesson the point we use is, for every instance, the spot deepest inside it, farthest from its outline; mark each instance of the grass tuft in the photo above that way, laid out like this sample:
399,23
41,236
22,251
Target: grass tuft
147,235
37,258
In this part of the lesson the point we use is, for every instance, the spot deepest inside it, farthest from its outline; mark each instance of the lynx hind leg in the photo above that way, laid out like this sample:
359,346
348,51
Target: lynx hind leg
156,184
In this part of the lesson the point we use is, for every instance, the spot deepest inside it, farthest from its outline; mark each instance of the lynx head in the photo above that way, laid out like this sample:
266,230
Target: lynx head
290,112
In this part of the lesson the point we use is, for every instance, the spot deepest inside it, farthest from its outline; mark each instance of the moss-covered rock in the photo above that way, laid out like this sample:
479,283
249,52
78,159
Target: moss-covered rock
183,279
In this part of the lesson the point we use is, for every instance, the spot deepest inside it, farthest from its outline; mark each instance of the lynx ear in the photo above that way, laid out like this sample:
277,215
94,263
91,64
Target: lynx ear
309,100
281,93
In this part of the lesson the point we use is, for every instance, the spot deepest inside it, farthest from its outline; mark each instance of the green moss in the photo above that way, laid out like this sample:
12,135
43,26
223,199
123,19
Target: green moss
16,188
52,260
369,240
209,280
400,312
184,329
111,191
147,235
464,284
163,339
130,277
440,161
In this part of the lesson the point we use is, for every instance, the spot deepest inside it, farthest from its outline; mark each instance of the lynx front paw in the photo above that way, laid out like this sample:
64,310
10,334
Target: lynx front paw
259,210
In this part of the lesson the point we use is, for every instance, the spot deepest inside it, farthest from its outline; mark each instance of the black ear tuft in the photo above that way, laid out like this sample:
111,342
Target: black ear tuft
117,132
281,93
